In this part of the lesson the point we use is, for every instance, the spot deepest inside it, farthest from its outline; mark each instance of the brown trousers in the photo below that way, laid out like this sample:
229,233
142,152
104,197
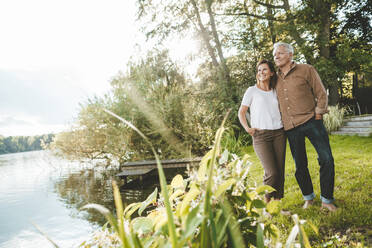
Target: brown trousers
270,146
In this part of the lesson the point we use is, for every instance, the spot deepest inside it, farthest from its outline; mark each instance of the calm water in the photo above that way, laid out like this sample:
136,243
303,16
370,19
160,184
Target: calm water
36,187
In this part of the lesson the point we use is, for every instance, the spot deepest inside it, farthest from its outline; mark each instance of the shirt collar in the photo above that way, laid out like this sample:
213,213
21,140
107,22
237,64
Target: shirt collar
293,65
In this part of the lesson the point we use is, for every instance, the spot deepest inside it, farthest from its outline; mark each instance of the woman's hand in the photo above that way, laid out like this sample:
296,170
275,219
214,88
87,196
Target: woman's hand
251,131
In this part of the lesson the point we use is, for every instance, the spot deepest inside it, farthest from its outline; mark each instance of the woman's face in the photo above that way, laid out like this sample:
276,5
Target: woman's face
264,73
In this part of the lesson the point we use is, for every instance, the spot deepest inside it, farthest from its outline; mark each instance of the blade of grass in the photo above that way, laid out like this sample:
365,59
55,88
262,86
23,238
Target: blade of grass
213,229
105,212
164,191
45,235
233,226
260,236
222,232
205,235
292,236
303,237
120,215
162,179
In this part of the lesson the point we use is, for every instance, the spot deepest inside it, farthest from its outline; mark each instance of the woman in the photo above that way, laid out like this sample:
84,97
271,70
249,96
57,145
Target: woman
269,140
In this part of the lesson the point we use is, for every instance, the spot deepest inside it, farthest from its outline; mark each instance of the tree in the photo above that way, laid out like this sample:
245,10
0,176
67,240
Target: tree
180,114
154,96
14,144
318,32
185,17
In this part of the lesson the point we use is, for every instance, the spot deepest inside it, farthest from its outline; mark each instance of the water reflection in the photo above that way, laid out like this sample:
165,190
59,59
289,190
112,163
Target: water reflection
48,191
95,186
27,195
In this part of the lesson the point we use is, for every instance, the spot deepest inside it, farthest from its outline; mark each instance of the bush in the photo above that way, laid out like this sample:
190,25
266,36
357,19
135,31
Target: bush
195,212
334,118
236,141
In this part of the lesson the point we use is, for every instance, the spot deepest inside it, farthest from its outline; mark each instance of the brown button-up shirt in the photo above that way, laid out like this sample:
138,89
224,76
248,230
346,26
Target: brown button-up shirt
301,95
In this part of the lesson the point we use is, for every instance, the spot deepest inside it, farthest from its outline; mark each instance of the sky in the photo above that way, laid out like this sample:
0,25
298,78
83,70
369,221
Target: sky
54,54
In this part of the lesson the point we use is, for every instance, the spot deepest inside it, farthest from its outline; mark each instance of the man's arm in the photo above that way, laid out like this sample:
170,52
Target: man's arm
320,93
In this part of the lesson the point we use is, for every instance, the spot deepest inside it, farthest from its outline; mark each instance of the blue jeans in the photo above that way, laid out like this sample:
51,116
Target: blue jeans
315,131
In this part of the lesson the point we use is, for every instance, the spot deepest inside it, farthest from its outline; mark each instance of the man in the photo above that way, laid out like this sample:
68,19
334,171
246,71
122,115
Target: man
303,101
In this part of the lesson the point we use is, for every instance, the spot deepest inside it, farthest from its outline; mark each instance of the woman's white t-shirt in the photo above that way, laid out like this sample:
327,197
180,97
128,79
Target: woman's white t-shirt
264,108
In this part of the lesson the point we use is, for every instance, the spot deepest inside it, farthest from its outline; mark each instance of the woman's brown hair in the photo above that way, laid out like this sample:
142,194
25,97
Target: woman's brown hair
273,78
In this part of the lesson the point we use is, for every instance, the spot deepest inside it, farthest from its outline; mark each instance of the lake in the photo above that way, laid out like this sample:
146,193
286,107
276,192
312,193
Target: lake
39,188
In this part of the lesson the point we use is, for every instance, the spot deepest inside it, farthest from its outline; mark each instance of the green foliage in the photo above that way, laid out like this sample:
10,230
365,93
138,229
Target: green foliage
179,113
236,141
334,118
93,136
195,212
331,35
14,144
351,224
155,96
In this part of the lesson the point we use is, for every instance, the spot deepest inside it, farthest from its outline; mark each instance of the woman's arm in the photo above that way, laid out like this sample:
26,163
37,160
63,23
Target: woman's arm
243,120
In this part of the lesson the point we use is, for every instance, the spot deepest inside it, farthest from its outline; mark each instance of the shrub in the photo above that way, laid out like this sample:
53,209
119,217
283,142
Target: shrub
334,118
236,141
195,212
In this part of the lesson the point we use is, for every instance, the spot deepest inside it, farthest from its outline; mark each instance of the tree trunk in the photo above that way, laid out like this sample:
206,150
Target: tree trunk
334,95
271,25
226,71
324,12
296,35
324,30
355,85
205,36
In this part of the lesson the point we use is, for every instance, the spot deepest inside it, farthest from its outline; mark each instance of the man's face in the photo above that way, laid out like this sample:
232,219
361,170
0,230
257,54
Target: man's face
282,57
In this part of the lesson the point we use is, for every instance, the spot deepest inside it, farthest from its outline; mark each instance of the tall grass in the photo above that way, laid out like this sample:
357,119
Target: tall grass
334,118
351,224
211,208
236,142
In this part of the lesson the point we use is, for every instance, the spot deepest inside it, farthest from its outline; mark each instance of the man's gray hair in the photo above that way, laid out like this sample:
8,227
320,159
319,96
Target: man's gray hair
287,46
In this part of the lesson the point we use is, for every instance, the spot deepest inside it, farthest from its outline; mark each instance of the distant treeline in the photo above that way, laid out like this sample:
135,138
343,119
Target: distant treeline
14,144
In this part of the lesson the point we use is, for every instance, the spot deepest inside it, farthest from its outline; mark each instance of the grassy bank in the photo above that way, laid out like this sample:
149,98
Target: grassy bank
352,222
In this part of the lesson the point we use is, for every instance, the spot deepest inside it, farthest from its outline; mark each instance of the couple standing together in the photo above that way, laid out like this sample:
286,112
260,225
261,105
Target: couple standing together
289,104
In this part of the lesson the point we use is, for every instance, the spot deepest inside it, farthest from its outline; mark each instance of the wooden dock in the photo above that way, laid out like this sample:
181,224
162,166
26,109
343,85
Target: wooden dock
140,169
